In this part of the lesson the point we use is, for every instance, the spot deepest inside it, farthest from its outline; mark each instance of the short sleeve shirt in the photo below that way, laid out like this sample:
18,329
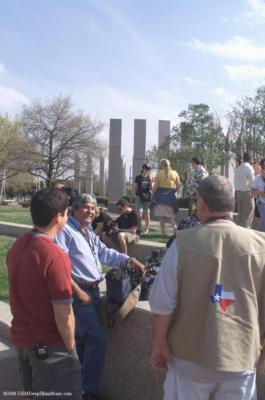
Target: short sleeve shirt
128,220
167,181
39,274
143,184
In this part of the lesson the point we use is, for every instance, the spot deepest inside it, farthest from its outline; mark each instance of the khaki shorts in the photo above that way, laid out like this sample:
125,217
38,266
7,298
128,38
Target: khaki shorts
141,206
131,237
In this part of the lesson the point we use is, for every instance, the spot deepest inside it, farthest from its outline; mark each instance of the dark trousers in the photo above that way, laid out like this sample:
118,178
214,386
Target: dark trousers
59,373
90,340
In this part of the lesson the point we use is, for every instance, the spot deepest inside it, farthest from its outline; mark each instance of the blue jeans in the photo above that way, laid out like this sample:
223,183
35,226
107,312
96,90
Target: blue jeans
90,340
261,208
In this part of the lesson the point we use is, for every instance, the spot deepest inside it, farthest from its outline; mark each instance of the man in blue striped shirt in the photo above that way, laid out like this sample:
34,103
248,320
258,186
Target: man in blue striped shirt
87,254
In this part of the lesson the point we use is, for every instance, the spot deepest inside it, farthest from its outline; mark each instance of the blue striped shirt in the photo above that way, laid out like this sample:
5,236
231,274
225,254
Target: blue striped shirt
87,253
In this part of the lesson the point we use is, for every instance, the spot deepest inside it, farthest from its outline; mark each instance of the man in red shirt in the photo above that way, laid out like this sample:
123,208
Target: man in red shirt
40,292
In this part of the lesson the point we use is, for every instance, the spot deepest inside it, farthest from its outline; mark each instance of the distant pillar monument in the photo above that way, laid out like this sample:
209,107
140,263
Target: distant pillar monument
77,181
139,148
89,176
115,184
102,176
163,132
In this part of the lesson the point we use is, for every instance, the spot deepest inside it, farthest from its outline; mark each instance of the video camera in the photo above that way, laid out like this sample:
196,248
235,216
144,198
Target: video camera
108,227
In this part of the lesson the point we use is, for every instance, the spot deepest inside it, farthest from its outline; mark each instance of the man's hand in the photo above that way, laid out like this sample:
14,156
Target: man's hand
136,264
161,356
84,297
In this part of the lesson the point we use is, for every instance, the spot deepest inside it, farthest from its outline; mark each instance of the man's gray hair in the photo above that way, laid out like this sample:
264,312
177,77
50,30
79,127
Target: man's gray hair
81,200
217,192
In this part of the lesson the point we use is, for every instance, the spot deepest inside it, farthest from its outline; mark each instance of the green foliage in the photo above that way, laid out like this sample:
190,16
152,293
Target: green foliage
199,134
11,146
247,126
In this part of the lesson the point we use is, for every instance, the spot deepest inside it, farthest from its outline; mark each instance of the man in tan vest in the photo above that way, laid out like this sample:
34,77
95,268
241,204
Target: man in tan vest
208,303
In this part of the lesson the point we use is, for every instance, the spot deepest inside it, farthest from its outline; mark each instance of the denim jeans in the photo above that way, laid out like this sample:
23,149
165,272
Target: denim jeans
90,340
261,208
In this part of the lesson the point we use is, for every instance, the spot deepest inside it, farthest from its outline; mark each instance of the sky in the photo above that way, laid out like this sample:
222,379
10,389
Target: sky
131,58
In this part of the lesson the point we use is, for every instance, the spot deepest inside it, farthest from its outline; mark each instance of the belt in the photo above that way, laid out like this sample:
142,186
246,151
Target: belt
85,284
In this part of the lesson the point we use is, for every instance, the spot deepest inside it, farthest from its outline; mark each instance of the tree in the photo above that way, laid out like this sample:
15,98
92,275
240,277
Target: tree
198,134
12,147
21,185
247,126
57,133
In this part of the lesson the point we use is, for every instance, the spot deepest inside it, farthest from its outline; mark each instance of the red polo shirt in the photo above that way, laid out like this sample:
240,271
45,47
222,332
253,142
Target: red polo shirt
39,274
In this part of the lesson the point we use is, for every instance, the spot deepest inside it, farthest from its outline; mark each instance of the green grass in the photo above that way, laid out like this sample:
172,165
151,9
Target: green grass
15,214
5,243
155,236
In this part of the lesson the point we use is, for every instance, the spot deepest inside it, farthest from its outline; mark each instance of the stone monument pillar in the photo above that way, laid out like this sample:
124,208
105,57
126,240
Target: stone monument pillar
123,158
89,175
163,131
102,176
185,135
77,181
139,148
115,184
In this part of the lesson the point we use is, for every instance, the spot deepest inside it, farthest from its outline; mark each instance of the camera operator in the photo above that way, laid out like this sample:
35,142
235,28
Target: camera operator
125,229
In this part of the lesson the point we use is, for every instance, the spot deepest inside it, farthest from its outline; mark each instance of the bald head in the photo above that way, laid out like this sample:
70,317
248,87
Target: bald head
217,193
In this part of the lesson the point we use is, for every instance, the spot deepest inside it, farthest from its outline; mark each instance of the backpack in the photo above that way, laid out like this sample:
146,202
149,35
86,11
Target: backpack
145,196
119,284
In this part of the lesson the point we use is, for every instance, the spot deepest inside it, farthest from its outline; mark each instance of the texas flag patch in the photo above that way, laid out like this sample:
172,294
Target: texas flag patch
225,299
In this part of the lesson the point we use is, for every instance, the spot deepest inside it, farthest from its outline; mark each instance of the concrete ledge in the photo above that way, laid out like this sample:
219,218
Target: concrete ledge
128,374
144,248
5,320
11,229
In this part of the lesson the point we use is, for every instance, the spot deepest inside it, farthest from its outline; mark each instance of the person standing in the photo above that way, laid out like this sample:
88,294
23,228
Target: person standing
194,178
208,304
143,192
244,177
87,252
40,292
258,190
164,199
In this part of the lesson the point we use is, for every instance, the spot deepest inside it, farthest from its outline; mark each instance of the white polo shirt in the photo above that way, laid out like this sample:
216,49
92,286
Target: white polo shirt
244,177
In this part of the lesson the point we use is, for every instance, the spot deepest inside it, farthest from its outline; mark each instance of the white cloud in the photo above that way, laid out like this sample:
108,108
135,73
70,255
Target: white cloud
245,72
257,9
11,99
236,48
223,94
192,81
2,68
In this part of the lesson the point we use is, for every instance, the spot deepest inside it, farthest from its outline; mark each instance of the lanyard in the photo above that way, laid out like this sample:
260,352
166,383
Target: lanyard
90,244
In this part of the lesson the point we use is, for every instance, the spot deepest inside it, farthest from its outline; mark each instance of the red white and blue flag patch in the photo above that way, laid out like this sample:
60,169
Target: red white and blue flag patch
225,299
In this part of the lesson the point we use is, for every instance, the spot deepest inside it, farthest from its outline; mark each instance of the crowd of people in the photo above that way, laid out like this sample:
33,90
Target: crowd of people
207,301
